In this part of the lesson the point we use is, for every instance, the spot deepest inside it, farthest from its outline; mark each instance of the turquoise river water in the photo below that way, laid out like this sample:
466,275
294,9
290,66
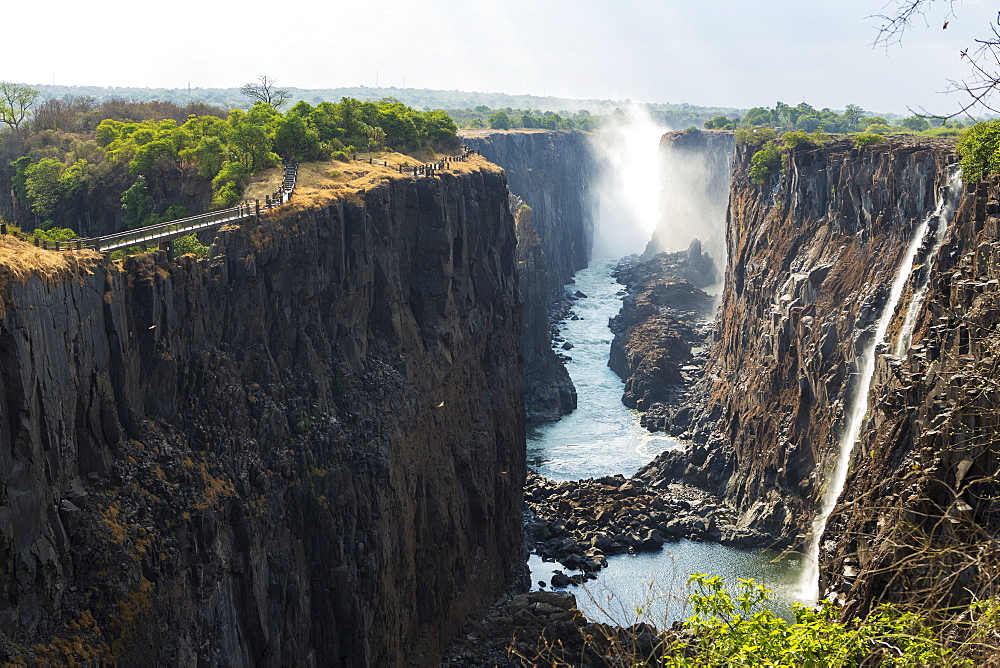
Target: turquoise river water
603,437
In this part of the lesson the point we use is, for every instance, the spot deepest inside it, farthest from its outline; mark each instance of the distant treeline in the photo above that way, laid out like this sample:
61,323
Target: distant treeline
806,118
97,167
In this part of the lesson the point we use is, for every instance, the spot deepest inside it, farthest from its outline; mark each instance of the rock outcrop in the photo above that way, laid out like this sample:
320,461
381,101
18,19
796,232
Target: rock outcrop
308,450
695,170
550,174
664,321
918,520
812,253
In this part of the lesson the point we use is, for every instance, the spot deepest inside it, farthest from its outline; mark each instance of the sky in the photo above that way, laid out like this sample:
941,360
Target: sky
731,53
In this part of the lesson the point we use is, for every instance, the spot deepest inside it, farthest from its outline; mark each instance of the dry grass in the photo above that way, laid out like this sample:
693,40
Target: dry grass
321,184
20,261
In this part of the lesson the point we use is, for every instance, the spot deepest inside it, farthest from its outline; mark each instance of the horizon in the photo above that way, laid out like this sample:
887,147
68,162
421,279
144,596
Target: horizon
725,55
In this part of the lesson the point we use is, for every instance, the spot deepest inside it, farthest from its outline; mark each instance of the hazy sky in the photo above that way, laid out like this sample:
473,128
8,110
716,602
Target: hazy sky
706,52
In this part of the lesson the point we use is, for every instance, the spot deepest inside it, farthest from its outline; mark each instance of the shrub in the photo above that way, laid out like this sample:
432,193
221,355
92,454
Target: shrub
867,139
190,245
754,136
764,163
979,149
799,139
340,156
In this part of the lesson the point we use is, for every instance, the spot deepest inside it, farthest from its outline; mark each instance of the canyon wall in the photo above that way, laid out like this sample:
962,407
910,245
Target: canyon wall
917,522
695,172
549,174
308,450
812,252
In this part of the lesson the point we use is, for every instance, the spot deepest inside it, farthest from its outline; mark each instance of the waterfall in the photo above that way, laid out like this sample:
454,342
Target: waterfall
946,206
858,401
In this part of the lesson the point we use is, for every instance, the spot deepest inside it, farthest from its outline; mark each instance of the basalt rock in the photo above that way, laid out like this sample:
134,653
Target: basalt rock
661,331
319,461
811,255
918,519
549,175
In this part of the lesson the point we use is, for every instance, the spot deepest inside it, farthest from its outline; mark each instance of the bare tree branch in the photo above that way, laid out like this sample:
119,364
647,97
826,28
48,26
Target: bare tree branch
264,90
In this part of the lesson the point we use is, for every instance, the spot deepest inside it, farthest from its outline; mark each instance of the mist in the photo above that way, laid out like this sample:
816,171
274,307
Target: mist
627,189
694,196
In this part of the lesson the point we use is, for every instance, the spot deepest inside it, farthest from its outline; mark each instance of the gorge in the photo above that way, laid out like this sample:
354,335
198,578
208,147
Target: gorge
310,448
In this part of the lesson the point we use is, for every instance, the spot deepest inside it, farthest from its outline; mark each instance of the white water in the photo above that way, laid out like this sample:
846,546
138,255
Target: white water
603,437
858,403
628,186
945,209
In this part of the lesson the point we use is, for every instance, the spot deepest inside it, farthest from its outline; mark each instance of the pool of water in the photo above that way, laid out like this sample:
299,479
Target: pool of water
603,437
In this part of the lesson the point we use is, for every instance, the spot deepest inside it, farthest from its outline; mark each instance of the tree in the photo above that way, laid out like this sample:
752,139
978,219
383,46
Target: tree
852,115
499,121
982,59
264,90
915,123
15,102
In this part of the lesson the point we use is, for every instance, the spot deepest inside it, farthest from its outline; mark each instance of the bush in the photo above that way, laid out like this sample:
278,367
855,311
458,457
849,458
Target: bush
867,139
189,245
979,149
800,139
764,163
754,136
340,156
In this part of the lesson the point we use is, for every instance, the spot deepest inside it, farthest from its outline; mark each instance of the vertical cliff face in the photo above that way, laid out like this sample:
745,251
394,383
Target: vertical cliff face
308,450
695,170
812,253
551,171
549,174
917,522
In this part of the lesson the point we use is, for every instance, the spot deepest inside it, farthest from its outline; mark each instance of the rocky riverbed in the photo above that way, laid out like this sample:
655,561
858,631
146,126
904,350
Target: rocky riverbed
662,334
579,523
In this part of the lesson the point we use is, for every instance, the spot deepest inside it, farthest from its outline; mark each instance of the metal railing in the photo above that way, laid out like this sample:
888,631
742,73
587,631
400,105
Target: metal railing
164,232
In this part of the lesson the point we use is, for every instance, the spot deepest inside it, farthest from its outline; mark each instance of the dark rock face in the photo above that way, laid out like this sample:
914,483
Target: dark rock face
308,450
812,254
663,317
695,169
918,519
548,390
549,174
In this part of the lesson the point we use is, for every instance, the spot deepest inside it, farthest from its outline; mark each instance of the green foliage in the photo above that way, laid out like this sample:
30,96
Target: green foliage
48,181
799,139
764,163
739,630
867,139
136,203
692,130
979,149
500,121
719,123
877,129
56,234
915,123
15,102
189,244
754,136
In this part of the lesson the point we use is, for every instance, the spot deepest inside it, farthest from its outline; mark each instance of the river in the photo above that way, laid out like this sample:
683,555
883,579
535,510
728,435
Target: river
603,437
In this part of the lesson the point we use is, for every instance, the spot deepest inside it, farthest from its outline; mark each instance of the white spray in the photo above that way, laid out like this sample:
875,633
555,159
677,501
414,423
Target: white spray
858,402
945,209
628,187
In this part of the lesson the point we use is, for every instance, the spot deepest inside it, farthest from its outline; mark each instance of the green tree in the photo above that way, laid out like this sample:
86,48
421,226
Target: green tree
137,204
15,102
852,115
915,123
249,138
716,123
757,116
44,186
294,137
979,149
499,121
